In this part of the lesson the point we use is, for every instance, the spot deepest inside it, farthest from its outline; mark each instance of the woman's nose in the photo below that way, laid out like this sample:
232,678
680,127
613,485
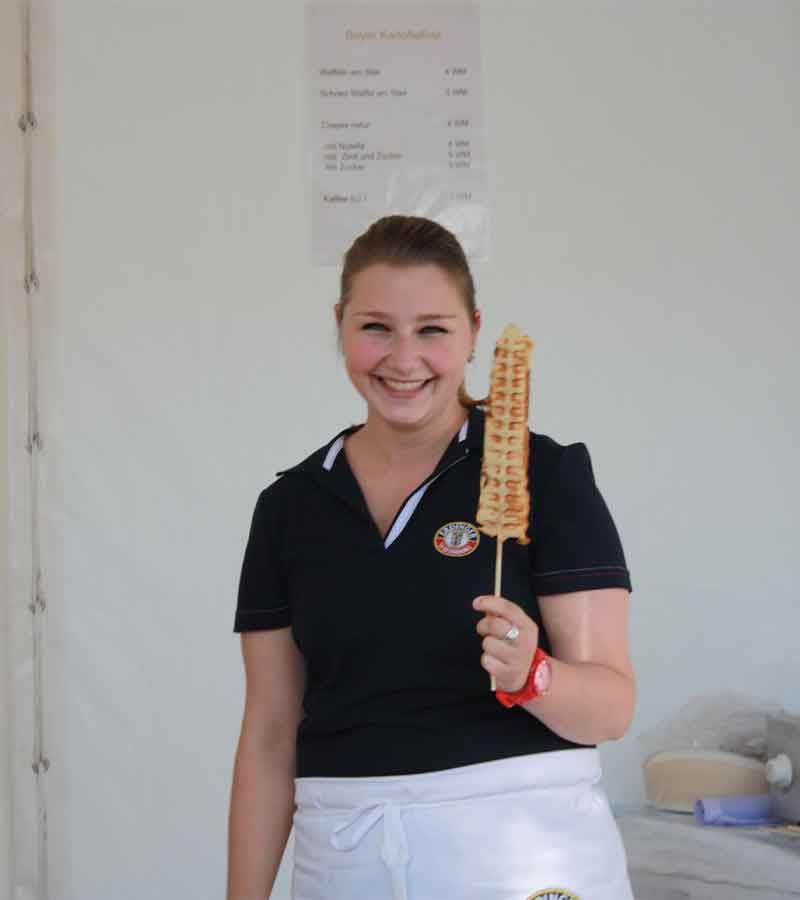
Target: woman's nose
404,351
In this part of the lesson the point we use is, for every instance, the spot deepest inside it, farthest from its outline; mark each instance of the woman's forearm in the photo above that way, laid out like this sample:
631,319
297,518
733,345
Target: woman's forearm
261,812
588,703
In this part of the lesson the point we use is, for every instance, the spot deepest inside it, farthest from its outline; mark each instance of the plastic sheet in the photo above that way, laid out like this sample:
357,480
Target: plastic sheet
730,722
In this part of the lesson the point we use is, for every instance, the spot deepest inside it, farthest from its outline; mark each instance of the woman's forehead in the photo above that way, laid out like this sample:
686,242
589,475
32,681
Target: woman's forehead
415,285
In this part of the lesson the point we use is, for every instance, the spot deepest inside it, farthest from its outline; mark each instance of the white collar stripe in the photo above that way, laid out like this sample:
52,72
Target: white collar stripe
408,510
330,458
405,514
413,501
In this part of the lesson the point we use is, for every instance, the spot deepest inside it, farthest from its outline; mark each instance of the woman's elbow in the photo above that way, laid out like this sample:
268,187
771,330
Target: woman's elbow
624,711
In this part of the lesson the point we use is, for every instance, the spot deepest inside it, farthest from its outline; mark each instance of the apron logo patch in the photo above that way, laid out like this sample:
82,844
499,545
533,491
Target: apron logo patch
553,894
456,539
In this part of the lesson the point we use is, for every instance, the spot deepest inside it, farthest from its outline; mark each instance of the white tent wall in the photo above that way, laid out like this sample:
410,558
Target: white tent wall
11,243
645,192
11,295
6,711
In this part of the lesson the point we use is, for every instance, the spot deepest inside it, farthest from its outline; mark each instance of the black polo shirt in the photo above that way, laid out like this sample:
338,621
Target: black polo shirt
387,628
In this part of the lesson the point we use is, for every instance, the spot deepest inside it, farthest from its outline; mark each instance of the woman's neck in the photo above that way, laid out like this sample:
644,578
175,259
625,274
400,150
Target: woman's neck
389,446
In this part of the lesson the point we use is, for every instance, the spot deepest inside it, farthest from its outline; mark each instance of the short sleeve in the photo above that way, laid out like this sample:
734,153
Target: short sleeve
576,545
263,598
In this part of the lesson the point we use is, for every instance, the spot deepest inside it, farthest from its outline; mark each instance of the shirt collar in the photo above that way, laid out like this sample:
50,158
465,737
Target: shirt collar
469,437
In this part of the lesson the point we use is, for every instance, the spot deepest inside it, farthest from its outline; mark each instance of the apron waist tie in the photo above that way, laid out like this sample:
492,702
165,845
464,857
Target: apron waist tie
394,848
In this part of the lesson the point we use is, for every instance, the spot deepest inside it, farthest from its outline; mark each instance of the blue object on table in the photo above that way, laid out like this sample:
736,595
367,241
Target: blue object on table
744,810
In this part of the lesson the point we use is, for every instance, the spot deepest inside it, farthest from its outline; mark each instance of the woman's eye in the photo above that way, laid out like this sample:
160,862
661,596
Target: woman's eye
381,327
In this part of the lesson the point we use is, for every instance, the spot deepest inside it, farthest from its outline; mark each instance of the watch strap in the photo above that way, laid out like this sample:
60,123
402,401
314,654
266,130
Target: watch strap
528,691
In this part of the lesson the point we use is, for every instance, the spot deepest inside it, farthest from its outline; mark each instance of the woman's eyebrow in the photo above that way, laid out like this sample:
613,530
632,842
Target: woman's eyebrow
428,316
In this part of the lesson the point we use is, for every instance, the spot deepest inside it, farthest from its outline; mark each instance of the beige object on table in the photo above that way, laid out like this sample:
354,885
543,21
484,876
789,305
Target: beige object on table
675,779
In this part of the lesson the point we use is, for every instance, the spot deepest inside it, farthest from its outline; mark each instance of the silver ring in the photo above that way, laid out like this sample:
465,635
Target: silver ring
512,633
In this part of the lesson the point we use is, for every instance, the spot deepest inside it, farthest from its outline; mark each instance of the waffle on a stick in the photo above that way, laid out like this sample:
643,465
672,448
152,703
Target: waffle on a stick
504,503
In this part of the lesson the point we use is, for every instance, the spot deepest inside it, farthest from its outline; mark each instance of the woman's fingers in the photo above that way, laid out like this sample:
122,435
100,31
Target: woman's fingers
503,650
498,606
496,626
508,660
501,615
510,676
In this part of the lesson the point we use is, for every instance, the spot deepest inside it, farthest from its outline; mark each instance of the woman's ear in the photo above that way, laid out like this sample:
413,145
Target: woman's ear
337,312
476,322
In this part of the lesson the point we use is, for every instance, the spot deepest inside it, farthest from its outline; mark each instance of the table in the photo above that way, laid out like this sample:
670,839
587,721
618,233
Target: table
671,857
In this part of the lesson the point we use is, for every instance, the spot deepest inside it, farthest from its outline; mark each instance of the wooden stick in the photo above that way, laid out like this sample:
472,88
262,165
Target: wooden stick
498,581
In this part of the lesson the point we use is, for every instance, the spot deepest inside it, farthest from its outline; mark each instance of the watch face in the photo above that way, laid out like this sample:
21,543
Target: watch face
543,677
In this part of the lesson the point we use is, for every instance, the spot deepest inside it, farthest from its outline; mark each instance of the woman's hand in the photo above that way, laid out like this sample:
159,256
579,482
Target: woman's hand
509,661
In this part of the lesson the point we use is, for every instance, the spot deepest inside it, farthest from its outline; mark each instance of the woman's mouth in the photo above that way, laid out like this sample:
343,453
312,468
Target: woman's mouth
402,388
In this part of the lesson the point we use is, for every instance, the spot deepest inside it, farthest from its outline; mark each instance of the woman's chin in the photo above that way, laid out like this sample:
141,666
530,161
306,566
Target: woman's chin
400,412
414,413
402,416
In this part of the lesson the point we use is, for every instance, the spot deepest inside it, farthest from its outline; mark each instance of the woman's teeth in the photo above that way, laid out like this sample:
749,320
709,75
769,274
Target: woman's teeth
403,385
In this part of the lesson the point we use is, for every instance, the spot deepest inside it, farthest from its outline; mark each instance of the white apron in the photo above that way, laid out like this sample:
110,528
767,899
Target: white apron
534,826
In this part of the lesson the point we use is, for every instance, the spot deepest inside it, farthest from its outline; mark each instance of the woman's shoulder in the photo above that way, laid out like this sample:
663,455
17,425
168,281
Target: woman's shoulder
313,465
568,466
546,450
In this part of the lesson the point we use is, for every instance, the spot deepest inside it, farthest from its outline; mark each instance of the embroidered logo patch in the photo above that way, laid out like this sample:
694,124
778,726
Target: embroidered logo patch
553,894
456,539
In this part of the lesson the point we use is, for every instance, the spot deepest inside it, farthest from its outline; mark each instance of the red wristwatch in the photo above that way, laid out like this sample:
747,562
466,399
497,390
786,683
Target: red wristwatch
537,685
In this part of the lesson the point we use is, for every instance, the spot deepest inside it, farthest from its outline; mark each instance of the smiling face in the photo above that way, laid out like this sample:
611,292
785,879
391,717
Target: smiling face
406,336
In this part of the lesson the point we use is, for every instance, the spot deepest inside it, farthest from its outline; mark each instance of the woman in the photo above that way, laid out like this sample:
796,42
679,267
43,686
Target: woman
369,722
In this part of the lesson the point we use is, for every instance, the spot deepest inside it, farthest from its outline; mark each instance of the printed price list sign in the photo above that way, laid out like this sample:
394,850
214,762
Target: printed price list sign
396,121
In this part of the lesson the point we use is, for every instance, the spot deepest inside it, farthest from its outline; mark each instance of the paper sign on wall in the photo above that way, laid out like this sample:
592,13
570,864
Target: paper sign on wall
396,121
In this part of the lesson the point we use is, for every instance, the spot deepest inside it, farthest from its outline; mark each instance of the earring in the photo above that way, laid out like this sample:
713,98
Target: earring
471,357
